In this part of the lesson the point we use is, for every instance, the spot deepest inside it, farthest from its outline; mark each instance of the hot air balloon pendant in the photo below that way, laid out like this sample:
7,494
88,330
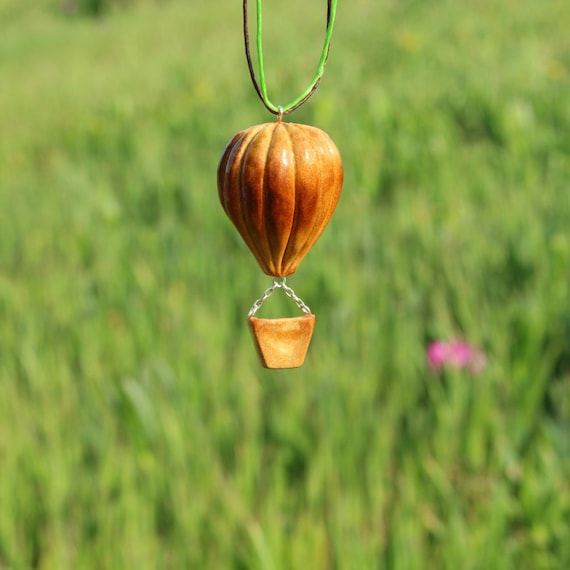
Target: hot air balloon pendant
279,183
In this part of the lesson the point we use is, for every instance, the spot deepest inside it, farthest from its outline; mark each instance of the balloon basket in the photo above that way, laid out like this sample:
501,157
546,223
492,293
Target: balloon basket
282,343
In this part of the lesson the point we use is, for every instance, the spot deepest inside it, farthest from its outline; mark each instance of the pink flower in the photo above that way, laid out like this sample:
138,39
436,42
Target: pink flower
456,354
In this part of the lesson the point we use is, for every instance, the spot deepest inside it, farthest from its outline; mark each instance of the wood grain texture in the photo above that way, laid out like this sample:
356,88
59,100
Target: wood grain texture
279,183
282,343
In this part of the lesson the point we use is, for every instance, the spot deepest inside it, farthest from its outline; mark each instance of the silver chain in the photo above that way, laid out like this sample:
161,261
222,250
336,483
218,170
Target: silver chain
278,284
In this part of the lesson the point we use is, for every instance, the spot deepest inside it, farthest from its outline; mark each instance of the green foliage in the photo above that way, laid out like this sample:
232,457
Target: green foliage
137,429
92,8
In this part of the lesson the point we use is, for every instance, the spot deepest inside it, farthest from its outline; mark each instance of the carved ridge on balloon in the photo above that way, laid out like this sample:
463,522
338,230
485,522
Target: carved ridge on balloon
295,245
294,222
313,234
250,193
266,203
283,163
284,257
238,154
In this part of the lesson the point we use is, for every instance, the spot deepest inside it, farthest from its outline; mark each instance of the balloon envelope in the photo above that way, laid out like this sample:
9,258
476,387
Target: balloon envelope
279,183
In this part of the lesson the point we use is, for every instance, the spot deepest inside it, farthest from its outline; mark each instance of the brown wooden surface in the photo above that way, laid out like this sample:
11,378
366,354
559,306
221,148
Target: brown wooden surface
282,343
280,183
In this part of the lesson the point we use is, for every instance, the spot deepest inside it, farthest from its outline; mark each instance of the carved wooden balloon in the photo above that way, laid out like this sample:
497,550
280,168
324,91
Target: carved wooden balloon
279,183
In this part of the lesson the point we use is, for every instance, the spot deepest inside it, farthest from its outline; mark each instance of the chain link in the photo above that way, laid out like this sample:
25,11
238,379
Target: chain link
278,284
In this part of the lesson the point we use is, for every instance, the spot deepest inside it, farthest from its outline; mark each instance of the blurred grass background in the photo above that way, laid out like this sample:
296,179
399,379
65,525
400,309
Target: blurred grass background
137,428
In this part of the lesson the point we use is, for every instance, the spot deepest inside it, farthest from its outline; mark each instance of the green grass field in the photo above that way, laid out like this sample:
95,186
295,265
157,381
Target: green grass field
137,427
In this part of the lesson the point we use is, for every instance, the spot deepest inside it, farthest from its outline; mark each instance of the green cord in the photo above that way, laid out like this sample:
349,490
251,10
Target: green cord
318,74
259,43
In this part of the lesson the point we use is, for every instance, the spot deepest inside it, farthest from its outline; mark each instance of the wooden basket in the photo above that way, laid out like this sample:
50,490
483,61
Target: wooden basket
282,343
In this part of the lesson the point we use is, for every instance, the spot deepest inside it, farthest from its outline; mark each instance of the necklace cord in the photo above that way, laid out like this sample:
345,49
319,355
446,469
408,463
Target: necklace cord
261,87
